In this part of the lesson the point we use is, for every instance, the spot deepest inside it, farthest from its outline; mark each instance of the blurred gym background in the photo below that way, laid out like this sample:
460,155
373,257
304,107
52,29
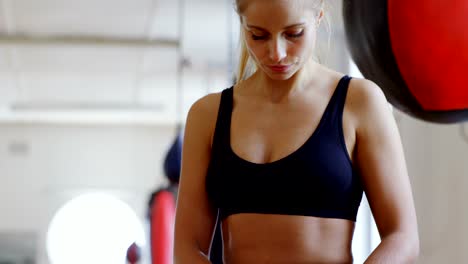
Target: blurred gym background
93,95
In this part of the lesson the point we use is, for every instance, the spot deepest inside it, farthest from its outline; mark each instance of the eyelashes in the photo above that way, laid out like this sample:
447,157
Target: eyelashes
255,37
296,35
289,35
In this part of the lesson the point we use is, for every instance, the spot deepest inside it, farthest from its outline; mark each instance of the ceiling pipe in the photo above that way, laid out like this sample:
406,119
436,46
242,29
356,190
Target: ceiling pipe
84,106
26,40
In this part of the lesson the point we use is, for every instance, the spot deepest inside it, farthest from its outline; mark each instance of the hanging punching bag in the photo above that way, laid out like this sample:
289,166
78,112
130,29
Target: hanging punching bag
173,160
162,227
416,51
162,207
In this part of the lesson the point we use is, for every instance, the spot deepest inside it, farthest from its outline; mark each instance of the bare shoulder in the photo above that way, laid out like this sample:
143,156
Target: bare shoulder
367,102
204,111
366,95
207,106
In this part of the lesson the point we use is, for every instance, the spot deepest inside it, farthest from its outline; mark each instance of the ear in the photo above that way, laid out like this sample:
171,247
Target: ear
320,16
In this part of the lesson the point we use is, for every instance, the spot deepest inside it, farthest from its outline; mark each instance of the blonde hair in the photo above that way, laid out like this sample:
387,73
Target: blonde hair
246,67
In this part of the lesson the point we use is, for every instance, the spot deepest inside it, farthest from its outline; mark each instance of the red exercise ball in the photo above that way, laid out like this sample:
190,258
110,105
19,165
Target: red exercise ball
430,44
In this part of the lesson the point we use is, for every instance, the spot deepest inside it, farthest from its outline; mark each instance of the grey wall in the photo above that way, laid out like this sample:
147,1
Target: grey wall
43,166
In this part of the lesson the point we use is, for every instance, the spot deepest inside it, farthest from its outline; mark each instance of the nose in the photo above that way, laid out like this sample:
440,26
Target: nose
277,50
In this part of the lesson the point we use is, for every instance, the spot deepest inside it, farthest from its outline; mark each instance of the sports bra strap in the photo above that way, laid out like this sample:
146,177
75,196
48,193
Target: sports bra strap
223,122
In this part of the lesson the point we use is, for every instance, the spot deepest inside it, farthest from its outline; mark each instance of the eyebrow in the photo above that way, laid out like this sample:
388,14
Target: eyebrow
287,27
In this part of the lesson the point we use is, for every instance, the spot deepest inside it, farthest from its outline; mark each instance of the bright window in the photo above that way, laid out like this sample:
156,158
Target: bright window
93,228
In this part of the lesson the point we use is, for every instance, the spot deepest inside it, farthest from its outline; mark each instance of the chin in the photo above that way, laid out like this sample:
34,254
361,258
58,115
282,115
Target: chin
279,76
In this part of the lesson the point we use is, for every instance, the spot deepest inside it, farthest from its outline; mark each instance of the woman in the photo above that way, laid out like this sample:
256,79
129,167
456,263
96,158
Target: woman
285,155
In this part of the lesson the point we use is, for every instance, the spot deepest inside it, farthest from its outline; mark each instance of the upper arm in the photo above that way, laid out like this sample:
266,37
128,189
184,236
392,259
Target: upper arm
381,162
195,217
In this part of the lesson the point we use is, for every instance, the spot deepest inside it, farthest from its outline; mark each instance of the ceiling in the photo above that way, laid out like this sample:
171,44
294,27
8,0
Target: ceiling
68,58
88,60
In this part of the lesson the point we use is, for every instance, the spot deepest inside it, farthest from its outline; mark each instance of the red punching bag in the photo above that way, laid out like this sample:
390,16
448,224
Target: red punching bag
416,51
162,227
162,208
430,43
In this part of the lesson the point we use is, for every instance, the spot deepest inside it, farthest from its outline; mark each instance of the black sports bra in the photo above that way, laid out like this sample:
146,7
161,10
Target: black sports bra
317,179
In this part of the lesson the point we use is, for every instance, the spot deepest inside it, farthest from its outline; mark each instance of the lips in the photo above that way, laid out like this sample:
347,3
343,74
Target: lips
279,68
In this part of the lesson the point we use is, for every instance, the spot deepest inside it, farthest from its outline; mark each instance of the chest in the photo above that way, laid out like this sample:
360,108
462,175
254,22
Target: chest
267,134
263,133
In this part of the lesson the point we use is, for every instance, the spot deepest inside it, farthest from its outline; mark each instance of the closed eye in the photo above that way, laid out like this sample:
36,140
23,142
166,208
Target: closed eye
289,35
259,37
295,35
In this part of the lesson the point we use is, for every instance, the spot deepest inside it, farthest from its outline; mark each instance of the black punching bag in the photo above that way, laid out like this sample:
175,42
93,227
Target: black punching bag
172,162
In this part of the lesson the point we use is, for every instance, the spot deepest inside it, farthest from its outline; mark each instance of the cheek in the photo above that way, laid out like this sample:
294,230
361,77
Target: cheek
299,50
257,50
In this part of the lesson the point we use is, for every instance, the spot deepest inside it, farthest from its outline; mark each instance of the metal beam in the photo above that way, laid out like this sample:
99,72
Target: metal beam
83,106
26,40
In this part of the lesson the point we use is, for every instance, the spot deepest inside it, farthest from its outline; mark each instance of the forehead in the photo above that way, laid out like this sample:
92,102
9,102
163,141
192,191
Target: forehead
276,13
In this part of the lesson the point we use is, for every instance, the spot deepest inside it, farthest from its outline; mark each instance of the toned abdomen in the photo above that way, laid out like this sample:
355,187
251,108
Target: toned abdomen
265,238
